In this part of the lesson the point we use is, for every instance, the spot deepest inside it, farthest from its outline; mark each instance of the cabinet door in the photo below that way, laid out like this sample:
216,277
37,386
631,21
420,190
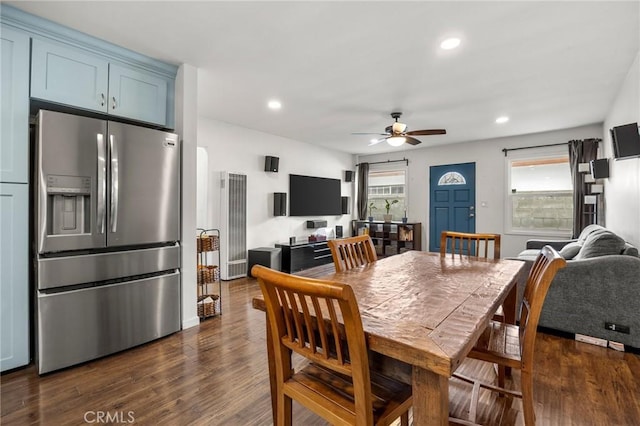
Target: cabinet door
14,98
137,95
14,275
67,75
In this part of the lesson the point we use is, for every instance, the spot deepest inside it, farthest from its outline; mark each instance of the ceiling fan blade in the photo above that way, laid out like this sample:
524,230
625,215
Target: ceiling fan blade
412,141
377,142
427,132
362,133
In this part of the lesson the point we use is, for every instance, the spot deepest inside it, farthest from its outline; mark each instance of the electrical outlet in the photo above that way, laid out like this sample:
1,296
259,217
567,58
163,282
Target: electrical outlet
611,326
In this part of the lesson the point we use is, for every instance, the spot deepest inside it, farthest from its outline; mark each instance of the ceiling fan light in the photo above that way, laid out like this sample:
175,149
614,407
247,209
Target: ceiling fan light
398,127
396,140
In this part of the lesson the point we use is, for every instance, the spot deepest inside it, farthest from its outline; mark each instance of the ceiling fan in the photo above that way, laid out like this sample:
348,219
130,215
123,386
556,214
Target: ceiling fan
396,134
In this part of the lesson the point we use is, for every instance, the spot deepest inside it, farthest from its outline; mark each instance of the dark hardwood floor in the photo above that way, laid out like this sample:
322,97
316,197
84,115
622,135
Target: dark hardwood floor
216,374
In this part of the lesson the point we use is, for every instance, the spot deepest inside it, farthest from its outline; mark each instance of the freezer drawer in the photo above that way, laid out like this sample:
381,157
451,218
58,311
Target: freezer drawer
73,270
82,325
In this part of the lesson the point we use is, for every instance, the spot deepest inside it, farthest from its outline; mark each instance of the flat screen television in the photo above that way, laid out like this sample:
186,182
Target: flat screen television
626,141
314,196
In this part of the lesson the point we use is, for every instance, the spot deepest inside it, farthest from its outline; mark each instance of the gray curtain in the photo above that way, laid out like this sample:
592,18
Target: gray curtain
580,151
363,190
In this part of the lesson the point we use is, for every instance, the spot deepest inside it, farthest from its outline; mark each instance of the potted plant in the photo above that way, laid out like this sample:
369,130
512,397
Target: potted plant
387,217
372,207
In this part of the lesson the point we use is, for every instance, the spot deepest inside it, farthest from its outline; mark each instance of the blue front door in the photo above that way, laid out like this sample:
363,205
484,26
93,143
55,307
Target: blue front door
452,200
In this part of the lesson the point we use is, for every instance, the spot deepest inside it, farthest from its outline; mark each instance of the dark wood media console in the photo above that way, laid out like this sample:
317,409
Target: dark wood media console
304,254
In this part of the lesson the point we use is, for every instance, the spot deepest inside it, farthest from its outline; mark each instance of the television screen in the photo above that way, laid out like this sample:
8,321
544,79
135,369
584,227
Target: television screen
626,140
314,196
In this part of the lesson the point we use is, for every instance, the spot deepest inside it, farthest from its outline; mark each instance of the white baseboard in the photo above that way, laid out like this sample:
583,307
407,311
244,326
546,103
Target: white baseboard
592,340
191,322
616,345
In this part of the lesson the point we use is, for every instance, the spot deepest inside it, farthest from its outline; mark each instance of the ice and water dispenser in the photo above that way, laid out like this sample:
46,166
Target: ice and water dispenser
68,205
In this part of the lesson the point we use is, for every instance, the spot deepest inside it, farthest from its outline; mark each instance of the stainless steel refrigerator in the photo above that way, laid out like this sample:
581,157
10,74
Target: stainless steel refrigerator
107,230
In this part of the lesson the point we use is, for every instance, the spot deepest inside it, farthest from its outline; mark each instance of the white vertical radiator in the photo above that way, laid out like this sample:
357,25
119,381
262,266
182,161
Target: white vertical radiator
233,229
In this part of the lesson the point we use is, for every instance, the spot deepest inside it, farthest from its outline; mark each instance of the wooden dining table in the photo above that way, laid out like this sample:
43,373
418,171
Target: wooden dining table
423,312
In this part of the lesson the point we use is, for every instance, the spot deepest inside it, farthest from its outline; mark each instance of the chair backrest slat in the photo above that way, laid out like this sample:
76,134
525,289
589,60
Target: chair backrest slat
469,244
322,330
352,252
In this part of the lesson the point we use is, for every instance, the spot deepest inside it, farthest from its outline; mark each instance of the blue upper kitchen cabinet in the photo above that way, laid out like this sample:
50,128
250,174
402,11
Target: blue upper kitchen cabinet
72,76
137,95
14,98
68,76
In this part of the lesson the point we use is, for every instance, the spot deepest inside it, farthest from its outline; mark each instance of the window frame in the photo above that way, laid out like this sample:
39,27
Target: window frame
540,154
393,167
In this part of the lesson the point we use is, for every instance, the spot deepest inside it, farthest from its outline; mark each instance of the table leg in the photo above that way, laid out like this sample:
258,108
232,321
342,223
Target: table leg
430,398
510,312
509,305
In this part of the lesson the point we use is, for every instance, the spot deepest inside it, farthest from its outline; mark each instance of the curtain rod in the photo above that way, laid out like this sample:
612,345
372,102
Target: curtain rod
506,150
388,161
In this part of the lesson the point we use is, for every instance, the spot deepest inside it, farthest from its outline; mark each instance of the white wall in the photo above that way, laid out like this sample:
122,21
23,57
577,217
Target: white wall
622,189
241,150
186,126
490,177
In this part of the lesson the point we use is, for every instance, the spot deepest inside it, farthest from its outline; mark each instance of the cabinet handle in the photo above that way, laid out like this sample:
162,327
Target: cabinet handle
103,99
113,100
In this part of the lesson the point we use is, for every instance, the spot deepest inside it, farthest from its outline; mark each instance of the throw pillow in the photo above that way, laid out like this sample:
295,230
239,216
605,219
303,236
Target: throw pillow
601,243
569,251
588,230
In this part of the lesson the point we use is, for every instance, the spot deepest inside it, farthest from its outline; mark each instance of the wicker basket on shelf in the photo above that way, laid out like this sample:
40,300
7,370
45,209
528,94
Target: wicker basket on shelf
207,243
208,305
208,274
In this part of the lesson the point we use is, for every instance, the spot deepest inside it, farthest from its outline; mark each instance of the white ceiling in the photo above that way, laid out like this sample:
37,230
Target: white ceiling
342,67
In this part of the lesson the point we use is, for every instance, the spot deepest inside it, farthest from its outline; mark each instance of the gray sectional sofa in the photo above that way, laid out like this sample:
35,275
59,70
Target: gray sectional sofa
600,284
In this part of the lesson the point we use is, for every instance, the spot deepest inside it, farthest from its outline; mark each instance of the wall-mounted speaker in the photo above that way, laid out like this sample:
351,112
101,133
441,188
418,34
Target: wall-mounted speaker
279,203
316,224
338,231
345,205
271,163
348,175
600,168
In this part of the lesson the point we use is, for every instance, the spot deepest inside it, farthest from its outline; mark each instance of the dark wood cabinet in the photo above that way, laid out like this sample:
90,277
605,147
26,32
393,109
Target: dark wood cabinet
390,238
303,255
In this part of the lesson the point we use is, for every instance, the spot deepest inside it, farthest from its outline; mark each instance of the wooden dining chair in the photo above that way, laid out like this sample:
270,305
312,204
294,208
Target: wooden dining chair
469,244
475,245
320,320
512,345
351,252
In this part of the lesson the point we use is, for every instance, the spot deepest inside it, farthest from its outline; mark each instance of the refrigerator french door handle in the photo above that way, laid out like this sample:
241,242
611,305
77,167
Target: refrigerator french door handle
113,219
102,183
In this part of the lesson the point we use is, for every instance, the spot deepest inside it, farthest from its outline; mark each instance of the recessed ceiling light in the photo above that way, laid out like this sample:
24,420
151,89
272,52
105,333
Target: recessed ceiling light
450,43
274,104
503,119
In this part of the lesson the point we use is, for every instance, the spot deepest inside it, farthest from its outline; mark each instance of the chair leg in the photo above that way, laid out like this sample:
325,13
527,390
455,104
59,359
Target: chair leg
526,380
404,419
502,372
283,417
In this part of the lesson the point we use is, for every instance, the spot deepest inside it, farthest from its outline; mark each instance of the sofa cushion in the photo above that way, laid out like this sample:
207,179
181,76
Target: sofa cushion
630,250
600,242
588,230
569,251
529,254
